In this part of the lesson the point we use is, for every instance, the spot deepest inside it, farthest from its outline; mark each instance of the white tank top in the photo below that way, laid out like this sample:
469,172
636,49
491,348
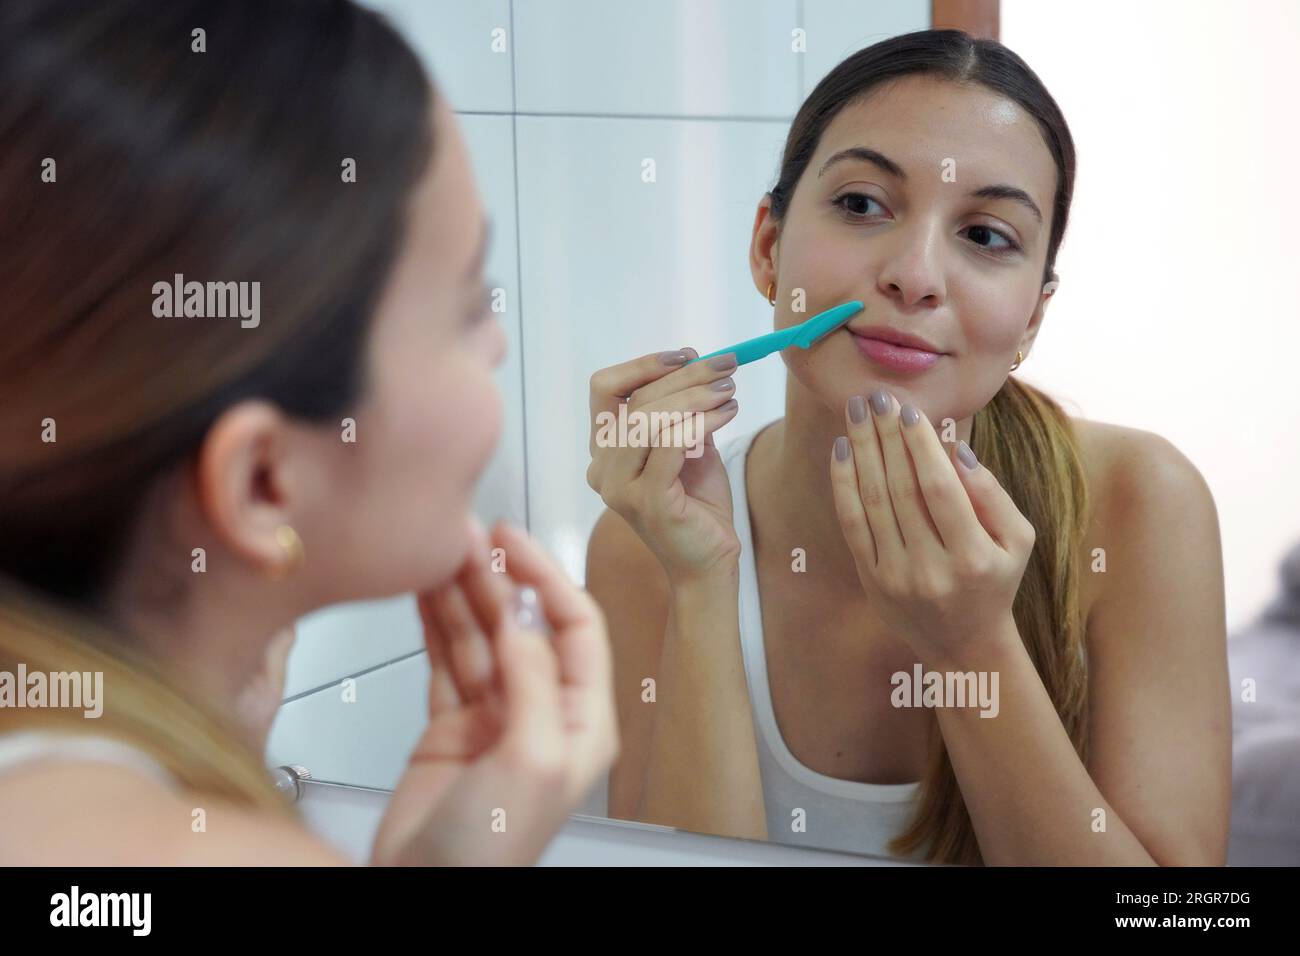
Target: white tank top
838,814
25,746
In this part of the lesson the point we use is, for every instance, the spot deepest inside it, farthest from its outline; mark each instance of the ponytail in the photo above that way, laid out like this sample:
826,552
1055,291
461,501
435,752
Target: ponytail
1027,441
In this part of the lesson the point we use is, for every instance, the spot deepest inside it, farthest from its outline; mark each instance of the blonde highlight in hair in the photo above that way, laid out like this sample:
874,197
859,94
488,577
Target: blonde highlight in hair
1027,441
143,707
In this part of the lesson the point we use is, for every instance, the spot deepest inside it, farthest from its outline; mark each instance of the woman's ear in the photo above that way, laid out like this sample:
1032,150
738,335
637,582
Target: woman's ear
1040,309
243,482
763,246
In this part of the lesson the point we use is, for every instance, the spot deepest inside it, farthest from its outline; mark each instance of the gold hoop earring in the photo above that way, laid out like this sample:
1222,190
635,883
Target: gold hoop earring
292,544
771,299
1019,359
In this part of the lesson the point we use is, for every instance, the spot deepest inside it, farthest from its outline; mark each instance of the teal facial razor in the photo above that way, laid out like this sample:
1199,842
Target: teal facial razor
803,335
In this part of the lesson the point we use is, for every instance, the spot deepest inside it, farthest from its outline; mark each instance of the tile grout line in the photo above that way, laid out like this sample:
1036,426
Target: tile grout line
711,117
799,63
354,674
519,267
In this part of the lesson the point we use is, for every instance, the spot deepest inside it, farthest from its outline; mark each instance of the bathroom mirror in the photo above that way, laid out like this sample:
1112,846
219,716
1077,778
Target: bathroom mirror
621,151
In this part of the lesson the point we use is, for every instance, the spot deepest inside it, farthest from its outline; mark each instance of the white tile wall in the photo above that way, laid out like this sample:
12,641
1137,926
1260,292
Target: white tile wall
349,639
836,28
615,267
598,266
668,57
362,738
465,44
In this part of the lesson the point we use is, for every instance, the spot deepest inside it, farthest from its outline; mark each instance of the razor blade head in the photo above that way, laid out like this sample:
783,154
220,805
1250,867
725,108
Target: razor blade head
823,323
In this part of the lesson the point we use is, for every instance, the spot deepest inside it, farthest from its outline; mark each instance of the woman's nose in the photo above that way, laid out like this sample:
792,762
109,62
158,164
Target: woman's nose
913,272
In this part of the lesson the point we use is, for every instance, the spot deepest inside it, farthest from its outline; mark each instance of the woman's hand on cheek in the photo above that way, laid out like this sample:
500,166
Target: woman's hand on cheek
939,546
521,722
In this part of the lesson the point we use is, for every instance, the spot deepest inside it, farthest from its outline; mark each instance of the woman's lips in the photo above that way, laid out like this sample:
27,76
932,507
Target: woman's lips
897,358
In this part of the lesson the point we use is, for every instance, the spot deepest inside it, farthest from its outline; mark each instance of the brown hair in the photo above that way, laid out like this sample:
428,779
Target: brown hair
1022,436
131,157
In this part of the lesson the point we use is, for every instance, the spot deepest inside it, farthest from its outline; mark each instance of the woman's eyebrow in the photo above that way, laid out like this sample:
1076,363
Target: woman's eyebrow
877,158
1003,191
866,155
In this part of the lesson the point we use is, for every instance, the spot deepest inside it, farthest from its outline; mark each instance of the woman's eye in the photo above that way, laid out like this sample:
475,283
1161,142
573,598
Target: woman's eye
859,206
856,204
987,237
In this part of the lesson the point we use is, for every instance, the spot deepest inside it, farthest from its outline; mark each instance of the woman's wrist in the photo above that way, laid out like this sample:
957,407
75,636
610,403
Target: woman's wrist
982,648
705,607
707,585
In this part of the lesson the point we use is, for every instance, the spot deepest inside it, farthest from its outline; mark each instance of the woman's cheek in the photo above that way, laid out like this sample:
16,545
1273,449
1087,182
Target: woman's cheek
831,372
492,352
994,318
490,420
497,344
471,412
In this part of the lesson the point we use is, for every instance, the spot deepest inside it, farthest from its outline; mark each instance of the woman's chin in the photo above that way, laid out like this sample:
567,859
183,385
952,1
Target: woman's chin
446,553
457,545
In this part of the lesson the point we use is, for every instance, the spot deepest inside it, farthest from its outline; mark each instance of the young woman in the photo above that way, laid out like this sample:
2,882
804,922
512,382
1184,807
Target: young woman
131,437
916,507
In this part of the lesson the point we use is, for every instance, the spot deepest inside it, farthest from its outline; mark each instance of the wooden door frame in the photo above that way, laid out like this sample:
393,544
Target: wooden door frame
979,18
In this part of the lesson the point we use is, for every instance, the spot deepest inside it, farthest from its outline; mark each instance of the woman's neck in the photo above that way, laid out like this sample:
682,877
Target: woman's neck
209,630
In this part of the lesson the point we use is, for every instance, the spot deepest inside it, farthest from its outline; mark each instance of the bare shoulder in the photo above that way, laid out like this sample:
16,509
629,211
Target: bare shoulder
1160,721
1129,467
92,813
1153,516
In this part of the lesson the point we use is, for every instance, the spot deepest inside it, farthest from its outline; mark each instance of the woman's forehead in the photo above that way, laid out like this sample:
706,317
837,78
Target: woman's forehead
921,121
